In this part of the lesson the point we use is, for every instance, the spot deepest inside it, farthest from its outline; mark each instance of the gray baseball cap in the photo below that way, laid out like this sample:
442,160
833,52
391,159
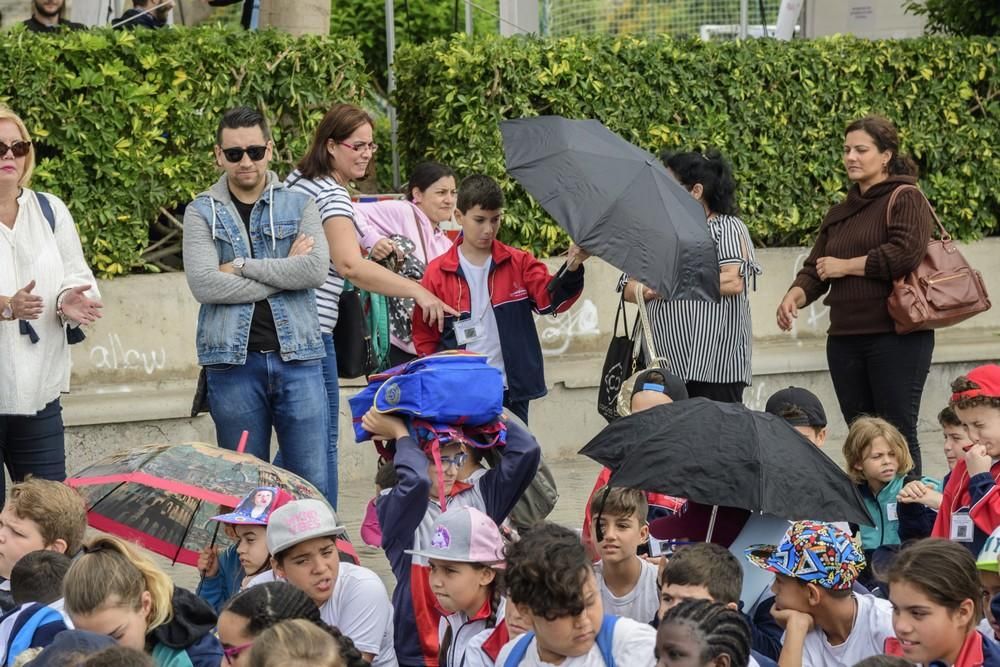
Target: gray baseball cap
300,521
464,535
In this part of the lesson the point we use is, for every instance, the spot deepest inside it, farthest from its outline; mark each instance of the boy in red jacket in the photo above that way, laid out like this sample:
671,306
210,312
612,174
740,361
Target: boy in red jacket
970,504
496,288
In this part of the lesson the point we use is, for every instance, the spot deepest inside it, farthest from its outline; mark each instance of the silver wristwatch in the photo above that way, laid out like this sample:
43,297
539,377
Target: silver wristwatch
238,265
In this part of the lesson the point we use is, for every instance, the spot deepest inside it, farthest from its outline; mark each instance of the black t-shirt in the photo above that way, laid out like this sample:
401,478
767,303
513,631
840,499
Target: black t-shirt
263,335
34,25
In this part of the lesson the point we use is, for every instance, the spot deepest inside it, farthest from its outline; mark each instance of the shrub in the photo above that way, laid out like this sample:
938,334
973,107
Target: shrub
128,118
776,109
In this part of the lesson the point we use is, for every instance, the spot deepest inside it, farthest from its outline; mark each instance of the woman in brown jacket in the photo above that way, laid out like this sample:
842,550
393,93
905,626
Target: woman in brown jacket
856,257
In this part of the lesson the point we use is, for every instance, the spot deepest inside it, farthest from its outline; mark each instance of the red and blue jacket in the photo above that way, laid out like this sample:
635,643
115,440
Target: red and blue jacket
407,514
519,287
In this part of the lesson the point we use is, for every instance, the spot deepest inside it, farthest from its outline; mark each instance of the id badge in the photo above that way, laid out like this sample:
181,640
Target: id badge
891,512
467,331
962,528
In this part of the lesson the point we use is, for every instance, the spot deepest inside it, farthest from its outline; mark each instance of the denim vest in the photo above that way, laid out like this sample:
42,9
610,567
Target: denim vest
224,329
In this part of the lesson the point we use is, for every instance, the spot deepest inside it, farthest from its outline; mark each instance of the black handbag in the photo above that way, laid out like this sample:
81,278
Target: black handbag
621,361
352,338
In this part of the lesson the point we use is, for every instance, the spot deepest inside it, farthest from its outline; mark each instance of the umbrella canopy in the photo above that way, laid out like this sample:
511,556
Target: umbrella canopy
162,497
725,454
616,201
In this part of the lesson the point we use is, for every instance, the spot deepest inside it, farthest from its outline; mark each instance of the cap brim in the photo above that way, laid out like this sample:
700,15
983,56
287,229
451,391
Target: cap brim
760,555
988,566
241,519
443,555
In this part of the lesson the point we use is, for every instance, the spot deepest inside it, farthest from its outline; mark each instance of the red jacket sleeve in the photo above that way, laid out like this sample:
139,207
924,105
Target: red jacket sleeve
536,279
426,337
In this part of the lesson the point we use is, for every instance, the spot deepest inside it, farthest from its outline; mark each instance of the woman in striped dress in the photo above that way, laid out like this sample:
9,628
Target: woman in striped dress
708,344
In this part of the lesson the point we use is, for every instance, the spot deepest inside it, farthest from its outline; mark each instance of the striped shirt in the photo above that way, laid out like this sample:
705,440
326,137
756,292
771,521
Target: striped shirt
704,341
333,200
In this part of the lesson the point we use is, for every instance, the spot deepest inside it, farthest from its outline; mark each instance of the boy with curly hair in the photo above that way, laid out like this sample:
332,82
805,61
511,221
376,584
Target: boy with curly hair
551,583
970,504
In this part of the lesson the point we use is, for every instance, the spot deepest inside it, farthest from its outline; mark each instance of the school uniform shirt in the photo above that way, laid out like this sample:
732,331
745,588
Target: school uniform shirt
632,646
641,603
482,313
466,629
872,628
976,495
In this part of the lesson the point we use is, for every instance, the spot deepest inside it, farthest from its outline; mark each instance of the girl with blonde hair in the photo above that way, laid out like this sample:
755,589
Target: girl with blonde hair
113,590
295,643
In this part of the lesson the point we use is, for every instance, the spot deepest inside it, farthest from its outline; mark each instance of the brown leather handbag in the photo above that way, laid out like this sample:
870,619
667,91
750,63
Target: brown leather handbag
943,290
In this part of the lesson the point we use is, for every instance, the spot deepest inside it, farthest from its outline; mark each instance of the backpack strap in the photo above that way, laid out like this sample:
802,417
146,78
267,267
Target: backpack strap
520,650
46,206
605,637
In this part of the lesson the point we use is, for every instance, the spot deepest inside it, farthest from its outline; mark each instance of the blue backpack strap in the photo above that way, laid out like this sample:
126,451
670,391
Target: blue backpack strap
605,639
520,650
46,206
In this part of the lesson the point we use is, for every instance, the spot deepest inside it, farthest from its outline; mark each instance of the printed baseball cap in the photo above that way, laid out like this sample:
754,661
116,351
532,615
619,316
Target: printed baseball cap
651,379
986,377
804,400
300,521
988,555
814,552
248,513
464,535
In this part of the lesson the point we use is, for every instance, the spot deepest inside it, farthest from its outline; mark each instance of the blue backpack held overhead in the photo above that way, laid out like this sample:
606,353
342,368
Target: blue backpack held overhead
604,643
457,388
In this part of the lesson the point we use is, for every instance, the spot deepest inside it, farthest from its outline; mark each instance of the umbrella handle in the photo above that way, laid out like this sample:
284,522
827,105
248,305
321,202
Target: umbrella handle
711,523
243,442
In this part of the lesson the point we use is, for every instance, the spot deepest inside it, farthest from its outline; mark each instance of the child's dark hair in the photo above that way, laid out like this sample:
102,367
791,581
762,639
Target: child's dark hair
496,596
482,190
705,564
117,656
620,502
793,414
349,653
426,174
884,661
38,577
963,383
239,117
945,571
711,170
546,570
266,604
723,631
385,476
947,417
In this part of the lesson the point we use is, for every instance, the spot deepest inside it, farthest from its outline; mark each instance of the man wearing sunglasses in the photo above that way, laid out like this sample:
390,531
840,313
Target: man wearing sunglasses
253,253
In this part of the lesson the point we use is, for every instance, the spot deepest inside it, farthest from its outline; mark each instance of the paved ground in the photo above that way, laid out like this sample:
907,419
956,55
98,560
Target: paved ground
575,479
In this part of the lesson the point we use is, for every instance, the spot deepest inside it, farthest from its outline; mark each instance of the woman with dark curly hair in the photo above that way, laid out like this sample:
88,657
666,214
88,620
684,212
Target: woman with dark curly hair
856,257
708,344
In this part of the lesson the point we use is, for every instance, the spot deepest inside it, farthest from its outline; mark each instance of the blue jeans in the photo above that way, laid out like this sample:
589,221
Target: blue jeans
331,379
33,445
267,392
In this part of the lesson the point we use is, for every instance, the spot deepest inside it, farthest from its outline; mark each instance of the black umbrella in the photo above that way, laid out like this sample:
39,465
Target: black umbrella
724,454
616,201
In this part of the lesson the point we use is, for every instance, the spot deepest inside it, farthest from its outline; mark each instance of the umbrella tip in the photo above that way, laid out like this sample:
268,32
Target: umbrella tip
243,442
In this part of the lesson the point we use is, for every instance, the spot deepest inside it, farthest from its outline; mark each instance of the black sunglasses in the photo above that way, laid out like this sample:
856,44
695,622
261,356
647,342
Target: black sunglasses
18,148
256,153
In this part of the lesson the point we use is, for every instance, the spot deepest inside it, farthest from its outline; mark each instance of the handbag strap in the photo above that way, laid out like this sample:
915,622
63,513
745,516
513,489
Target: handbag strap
647,333
945,236
621,315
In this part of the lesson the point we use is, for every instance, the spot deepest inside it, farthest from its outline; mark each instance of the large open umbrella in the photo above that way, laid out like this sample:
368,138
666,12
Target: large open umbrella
724,454
162,497
616,201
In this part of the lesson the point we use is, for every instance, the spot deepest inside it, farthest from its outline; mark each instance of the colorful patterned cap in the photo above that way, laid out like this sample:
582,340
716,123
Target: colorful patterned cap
815,552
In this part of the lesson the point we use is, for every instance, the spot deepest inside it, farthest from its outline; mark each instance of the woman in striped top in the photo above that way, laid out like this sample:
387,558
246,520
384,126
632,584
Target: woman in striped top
340,153
708,344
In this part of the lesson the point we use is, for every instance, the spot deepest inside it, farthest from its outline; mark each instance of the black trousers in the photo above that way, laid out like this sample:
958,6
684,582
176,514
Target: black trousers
723,392
33,445
882,375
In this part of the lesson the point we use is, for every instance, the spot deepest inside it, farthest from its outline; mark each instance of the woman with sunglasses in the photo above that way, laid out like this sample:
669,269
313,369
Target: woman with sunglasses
256,609
341,153
46,293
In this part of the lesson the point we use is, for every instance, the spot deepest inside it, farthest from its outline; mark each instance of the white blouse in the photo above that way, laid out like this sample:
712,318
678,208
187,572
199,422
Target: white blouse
32,375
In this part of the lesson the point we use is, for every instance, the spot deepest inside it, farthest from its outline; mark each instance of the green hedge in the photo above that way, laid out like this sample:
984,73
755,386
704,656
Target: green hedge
776,109
132,115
